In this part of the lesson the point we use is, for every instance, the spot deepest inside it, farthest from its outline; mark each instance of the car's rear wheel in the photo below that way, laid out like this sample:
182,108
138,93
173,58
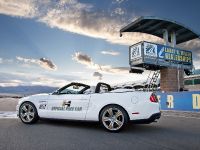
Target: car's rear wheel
113,118
28,113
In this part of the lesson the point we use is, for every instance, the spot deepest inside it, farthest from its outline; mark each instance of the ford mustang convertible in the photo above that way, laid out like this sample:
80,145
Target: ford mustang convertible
114,109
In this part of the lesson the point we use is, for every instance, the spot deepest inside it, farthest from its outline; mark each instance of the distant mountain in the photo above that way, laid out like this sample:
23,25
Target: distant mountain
27,90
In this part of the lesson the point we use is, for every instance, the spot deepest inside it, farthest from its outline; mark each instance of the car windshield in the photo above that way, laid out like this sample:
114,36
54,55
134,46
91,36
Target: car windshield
72,89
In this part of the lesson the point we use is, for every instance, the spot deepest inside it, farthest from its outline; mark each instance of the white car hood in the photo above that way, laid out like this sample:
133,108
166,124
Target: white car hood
35,97
40,96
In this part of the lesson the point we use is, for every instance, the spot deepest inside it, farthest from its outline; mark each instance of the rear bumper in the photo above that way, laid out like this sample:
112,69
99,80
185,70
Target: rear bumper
155,116
151,119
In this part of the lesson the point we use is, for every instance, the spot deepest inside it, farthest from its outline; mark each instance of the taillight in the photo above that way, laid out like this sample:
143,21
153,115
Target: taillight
153,98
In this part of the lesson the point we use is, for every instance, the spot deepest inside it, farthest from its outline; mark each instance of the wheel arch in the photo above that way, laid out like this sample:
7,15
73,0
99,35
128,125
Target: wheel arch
116,105
27,102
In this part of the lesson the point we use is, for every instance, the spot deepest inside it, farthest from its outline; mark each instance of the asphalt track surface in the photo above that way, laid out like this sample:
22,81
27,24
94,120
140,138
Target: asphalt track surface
174,131
170,133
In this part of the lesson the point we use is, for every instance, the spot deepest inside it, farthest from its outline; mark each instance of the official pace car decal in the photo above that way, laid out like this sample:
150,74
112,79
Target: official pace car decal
66,107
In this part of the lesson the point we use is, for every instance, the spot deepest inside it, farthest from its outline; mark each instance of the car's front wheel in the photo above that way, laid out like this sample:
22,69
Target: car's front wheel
28,113
113,118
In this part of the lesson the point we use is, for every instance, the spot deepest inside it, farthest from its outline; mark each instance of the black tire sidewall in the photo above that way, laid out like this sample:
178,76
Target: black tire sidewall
36,117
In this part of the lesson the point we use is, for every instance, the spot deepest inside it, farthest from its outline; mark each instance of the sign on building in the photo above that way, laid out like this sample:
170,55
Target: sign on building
146,53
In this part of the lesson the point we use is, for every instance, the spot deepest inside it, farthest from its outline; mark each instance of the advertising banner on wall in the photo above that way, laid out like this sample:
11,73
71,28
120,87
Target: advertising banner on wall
159,55
180,101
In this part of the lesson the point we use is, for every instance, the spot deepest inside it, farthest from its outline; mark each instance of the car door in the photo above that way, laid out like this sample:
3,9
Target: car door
68,105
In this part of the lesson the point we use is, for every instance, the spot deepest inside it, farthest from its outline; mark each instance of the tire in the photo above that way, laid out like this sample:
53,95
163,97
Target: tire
28,113
113,118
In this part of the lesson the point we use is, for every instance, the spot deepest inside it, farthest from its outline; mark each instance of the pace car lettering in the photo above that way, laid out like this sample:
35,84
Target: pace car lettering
66,108
78,108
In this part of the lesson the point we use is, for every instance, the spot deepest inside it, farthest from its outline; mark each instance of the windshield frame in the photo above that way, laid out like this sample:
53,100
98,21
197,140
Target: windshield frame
58,91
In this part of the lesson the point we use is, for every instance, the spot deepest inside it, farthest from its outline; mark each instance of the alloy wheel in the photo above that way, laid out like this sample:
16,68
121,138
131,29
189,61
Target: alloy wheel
113,119
27,113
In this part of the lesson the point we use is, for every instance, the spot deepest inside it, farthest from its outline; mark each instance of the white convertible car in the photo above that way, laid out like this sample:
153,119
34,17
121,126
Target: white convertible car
77,101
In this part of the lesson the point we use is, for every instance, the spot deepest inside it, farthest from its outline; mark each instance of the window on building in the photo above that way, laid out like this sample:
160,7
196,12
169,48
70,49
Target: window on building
196,81
188,82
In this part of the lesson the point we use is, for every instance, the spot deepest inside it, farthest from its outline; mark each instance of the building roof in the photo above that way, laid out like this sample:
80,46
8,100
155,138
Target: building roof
192,76
154,25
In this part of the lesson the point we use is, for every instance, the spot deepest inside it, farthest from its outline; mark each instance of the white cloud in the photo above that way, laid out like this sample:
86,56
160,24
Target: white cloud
3,60
80,18
85,60
196,64
119,11
29,79
118,1
191,45
47,64
113,53
42,62
48,81
20,8
76,17
10,83
89,63
194,46
82,58
97,75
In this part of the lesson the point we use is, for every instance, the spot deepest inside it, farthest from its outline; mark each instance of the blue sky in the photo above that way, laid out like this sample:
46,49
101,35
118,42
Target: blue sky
56,42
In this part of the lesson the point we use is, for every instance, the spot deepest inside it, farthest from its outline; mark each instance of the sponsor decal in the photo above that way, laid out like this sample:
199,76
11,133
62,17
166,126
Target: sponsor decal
161,52
42,106
150,49
65,103
66,107
135,52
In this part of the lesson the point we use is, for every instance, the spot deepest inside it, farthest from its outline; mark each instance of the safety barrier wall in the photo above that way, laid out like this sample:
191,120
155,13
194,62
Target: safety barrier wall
182,101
